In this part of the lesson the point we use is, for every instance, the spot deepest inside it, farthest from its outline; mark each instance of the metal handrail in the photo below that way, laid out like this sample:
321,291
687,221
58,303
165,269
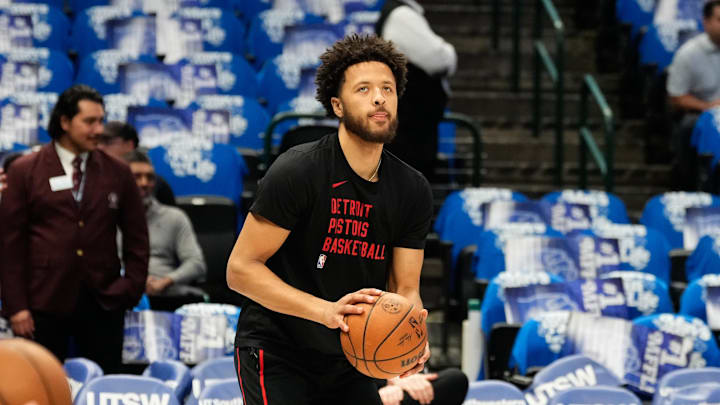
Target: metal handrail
556,69
605,163
456,118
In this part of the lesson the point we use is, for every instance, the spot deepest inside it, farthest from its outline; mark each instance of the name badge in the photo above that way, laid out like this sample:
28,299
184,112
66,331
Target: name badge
60,183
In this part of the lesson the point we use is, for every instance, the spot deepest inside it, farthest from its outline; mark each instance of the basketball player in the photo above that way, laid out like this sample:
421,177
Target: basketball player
334,222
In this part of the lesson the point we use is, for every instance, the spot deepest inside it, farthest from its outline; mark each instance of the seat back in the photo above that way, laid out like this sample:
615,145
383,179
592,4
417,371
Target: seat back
248,119
604,205
210,373
127,387
38,70
678,379
100,69
693,301
666,213
50,26
493,391
235,75
174,374
645,294
223,390
79,372
540,341
596,395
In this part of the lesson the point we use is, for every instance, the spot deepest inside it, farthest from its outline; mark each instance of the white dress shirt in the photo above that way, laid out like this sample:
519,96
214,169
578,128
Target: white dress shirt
66,159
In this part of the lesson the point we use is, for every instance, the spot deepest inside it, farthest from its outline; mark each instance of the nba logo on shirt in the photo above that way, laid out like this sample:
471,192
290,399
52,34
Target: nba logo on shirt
321,261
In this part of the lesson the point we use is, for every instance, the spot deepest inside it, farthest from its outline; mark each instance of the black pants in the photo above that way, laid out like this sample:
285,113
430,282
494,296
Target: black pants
92,331
450,388
267,378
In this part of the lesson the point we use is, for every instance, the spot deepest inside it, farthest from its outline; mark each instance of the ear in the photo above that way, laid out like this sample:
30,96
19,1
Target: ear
64,123
337,106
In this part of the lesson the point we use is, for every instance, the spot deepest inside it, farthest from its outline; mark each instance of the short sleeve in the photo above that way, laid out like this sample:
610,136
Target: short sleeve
418,218
285,192
679,80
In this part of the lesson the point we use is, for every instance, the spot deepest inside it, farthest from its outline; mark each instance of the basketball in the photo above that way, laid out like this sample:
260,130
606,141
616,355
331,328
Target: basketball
29,372
387,339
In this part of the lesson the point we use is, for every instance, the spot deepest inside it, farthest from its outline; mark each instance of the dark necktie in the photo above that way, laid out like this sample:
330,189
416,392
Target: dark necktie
77,175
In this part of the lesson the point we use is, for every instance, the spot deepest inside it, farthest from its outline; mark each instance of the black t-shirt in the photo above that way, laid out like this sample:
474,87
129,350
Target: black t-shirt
343,229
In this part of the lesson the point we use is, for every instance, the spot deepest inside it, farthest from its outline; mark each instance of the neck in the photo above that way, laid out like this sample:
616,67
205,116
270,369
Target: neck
362,156
64,141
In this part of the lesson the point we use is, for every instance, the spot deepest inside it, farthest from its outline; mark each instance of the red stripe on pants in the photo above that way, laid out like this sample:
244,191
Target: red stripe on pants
237,353
262,376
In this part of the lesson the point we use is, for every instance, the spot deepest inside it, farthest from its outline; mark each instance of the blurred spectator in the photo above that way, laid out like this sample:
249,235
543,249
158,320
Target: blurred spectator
175,255
118,139
431,60
61,278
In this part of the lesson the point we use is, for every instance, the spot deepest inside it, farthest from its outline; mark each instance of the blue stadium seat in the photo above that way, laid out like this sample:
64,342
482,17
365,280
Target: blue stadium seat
697,394
666,213
20,124
267,32
174,374
137,388
224,390
59,4
248,120
50,27
493,305
221,30
678,379
540,341
209,373
91,30
79,372
249,9
493,391
100,69
603,205
637,13
116,105
663,39
235,75
281,81
645,293
569,373
705,349
37,69
642,248
43,103
693,299
705,259
596,395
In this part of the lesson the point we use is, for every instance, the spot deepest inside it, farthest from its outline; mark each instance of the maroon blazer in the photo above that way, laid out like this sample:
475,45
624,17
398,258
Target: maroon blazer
54,244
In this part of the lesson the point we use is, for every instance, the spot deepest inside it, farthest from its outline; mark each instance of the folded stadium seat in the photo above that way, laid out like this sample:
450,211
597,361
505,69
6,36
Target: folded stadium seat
637,13
214,220
50,26
684,378
540,341
666,213
301,104
224,390
705,259
645,294
43,104
112,27
642,248
603,205
100,69
493,304
209,373
144,390
266,35
248,120
663,39
596,395
570,373
705,349
693,300
37,70
235,75
116,105
493,391
20,124
79,372
77,6
700,394
59,4
174,374
210,29
249,9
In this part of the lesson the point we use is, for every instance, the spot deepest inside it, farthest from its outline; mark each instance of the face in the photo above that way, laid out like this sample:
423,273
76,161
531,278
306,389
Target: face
82,131
712,25
367,105
144,177
116,146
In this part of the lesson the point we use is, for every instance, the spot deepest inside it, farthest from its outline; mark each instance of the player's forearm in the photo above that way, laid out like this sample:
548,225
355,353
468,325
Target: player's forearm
412,294
257,282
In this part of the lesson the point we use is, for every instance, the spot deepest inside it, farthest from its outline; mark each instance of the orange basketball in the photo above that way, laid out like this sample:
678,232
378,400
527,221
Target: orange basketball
387,339
29,372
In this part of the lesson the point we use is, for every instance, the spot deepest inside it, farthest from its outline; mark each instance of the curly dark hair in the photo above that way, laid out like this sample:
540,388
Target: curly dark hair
352,50
67,106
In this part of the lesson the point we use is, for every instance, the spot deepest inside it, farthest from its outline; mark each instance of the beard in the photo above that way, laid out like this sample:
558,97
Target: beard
360,126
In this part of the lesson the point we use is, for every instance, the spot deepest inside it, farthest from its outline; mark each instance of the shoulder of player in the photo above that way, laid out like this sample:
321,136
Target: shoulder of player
304,158
403,170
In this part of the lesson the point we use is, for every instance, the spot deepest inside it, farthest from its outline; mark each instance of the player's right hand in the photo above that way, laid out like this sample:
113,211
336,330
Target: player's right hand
22,324
334,312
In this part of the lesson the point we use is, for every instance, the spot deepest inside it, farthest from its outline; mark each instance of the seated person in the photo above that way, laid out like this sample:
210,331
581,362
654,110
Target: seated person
119,138
175,256
449,387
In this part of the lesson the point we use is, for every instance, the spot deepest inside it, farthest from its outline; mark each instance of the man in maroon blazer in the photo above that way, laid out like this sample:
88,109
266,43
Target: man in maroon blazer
61,276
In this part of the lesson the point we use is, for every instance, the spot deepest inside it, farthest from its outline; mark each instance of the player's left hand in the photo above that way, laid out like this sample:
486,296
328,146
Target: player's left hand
391,395
425,357
418,387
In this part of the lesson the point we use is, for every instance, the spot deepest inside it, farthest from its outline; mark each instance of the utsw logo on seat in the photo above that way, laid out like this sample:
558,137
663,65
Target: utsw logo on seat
126,398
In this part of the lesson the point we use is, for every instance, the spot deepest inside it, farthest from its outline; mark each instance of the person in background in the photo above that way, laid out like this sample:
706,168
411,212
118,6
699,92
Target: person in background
431,61
120,138
176,259
60,269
